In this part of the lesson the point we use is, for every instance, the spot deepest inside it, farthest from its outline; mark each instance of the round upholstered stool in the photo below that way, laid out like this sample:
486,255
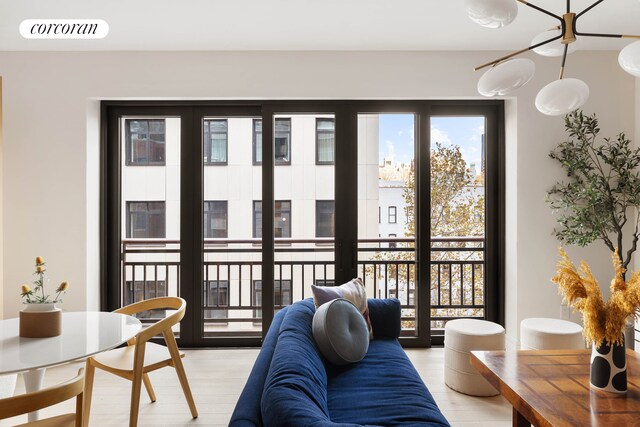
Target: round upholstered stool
460,337
550,334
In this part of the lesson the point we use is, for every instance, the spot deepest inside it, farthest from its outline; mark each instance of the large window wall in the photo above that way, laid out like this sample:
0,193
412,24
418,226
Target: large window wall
241,228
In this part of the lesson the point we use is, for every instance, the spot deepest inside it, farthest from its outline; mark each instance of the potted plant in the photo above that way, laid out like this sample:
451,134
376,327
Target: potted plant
40,317
600,198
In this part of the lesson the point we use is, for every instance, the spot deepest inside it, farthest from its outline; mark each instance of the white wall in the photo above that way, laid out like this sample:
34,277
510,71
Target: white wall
49,102
1,210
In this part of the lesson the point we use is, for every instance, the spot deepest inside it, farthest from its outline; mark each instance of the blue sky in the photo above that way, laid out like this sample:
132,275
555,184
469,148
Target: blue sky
396,135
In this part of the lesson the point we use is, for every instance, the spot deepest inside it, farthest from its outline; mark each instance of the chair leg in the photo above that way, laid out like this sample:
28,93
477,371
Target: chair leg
79,411
147,385
177,364
138,367
89,373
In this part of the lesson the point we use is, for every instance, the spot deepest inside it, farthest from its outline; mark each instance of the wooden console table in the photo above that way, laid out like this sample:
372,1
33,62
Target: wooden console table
551,388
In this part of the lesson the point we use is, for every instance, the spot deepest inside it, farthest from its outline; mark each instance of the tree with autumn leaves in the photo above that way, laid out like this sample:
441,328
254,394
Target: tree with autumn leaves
457,210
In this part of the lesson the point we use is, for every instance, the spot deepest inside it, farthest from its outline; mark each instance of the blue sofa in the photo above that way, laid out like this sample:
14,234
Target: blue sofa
292,385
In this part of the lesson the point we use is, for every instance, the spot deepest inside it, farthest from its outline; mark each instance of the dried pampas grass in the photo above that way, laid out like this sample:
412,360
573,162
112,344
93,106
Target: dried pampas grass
603,322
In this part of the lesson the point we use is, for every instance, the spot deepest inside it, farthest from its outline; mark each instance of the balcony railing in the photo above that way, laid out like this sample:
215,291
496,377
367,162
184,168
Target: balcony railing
232,288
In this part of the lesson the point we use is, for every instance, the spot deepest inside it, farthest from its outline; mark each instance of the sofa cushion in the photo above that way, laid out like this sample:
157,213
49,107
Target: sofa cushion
247,411
296,385
340,332
382,389
385,317
353,291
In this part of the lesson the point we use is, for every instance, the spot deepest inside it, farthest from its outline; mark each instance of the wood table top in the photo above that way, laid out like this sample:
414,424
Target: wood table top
551,387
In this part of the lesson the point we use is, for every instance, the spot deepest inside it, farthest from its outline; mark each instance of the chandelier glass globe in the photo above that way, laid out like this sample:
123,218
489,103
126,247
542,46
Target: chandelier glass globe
492,13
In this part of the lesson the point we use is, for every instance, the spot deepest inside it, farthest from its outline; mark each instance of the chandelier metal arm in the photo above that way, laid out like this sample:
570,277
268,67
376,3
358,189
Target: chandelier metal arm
588,8
516,53
564,60
615,36
539,9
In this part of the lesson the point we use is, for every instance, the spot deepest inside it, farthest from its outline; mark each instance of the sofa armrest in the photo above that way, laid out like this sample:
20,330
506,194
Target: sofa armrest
385,317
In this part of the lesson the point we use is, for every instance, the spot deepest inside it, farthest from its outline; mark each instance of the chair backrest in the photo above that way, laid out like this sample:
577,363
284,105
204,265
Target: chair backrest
29,402
172,303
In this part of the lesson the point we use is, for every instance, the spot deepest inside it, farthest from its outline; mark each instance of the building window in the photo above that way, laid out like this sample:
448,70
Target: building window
146,220
325,218
325,141
393,244
257,141
379,209
392,214
145,142
140,290
215,219
282,141
216,133
408,213
281,296
325,282
282,219
216,299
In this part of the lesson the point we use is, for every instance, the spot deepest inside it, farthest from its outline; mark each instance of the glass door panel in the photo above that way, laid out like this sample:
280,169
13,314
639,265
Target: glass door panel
304,205
232,188
150,210
458,165
386,219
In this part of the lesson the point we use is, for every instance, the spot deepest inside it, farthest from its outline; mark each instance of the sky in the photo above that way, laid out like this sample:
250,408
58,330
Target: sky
397,139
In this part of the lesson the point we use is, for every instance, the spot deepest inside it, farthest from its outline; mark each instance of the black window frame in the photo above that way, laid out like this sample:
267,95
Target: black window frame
129,161
129,231
324,131
206,142
207,214
114,112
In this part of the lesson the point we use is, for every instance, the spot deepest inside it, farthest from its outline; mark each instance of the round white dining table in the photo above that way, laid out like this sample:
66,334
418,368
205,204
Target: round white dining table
83,334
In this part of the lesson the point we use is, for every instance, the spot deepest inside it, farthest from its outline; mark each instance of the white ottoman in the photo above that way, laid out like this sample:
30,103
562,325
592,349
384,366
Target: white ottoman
540,333
460,337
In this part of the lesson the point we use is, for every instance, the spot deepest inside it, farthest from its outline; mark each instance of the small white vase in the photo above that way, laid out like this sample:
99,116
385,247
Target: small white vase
32,307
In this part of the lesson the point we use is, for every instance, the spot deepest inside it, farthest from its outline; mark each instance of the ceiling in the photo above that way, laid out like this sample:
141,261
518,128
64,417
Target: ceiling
304,24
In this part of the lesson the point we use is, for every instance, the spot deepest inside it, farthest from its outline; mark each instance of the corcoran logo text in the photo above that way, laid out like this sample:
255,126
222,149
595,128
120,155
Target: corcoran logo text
64,29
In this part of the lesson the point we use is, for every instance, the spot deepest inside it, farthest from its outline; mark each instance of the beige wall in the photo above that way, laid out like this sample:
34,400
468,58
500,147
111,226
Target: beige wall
51,138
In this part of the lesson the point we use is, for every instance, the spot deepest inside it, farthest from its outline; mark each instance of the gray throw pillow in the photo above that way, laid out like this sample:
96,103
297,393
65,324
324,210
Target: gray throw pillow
340,332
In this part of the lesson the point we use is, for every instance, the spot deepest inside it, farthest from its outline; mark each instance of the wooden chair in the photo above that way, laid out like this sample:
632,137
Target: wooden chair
34,401
140,357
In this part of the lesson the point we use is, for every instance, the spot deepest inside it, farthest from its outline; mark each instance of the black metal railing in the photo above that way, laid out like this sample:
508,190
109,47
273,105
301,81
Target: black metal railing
232,288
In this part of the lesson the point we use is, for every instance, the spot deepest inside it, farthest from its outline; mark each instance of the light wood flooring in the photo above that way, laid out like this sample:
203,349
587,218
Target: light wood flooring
217,377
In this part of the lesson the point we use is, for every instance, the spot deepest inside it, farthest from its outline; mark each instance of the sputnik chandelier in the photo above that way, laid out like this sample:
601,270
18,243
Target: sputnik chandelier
508,73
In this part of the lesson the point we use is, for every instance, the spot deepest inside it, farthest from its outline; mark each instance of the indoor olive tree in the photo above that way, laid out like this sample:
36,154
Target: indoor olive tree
601,195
